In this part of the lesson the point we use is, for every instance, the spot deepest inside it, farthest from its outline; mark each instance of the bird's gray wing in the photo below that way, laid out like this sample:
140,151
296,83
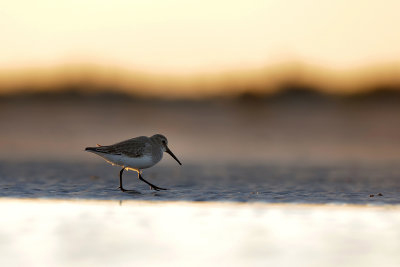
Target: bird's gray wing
135,147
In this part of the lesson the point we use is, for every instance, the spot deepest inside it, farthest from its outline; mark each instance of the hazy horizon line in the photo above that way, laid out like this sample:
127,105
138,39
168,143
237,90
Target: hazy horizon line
263,81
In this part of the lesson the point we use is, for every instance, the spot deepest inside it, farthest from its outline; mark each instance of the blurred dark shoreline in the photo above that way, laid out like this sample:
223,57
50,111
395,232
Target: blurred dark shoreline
285,95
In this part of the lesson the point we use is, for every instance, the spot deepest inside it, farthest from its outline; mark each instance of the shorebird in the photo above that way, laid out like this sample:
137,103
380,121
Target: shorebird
135,154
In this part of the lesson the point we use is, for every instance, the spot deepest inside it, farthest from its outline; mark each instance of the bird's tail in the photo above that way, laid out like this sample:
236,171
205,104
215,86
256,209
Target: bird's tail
91,149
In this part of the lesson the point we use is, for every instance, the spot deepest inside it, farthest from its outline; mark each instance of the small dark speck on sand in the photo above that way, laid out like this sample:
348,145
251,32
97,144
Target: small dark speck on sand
380,194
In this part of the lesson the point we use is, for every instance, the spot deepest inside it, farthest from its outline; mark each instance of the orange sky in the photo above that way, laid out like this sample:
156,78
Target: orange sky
198,37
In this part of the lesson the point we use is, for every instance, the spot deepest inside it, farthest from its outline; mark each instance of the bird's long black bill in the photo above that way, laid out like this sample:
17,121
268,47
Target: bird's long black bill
172,155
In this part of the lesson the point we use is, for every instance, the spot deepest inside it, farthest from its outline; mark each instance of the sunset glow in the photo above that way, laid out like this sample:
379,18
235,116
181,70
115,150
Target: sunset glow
191,43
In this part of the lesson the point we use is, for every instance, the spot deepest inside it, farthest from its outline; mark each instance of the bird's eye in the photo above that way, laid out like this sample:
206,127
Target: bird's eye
163,141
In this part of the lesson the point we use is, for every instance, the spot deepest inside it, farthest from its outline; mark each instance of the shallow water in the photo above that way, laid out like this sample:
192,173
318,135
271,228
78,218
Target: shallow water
248,183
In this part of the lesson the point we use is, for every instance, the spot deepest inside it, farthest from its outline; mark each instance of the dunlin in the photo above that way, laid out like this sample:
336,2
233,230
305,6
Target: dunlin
135,154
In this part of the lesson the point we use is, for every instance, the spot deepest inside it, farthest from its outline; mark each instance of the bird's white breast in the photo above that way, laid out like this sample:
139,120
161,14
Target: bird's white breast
138,163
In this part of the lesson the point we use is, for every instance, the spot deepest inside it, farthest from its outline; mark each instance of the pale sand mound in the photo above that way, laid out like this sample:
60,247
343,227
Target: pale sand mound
137,233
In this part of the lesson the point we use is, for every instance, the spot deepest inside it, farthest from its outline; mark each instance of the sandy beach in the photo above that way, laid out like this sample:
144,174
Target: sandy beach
147,233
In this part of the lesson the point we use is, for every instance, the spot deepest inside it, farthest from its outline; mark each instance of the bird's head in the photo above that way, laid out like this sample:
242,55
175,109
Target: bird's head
163,142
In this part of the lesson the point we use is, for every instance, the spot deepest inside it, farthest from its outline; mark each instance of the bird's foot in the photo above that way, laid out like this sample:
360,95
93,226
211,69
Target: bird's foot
156,188
122,189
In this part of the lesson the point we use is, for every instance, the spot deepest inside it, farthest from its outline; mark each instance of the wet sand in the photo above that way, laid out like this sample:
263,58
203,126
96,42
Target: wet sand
294,149
142,233
274,183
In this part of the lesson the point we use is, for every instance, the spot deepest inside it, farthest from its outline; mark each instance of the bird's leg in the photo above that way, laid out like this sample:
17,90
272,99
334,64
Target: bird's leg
120,180
152,186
